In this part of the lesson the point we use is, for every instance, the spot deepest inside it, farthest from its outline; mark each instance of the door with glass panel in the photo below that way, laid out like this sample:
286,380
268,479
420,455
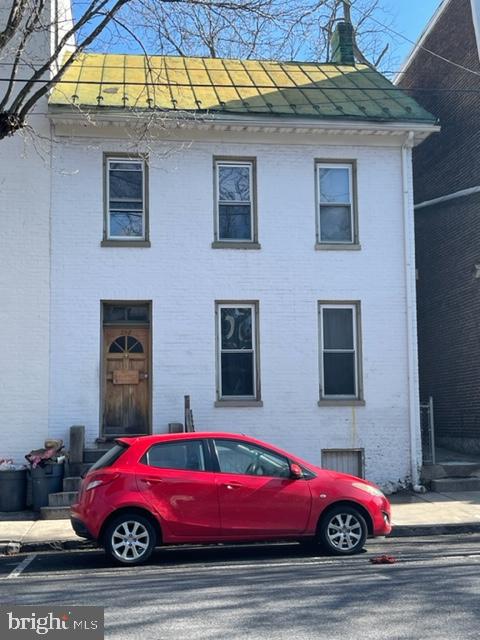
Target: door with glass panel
126,368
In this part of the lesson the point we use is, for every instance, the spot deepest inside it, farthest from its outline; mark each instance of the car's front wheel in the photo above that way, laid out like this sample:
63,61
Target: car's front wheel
130,539
343,531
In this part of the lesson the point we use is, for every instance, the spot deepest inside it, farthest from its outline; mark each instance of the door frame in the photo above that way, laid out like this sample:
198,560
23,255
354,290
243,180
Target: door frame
148,303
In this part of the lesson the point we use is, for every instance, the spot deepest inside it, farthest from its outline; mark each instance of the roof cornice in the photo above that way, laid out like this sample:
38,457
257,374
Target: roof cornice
240,123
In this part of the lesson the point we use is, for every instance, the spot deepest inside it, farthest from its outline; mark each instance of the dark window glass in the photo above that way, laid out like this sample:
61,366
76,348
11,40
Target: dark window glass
133,345
137,313
245,458
237,374
338,329
339,374
125,224
126,184
234,202
234,183
125,199
185,455
125,314
109,458
236,328
118,345
113,313
335,224
334,185
235,222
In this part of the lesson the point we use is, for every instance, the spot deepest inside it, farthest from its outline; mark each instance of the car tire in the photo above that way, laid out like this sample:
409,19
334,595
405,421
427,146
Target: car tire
130,539
342,531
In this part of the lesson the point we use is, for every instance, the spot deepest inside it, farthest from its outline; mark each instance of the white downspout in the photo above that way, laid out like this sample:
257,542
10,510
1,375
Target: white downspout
411,316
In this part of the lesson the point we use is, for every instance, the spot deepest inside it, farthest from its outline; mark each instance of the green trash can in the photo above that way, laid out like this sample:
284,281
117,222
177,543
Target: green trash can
13,490
45,480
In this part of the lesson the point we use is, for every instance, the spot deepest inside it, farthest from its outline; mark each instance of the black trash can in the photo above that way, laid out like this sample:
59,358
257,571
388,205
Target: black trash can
13,490
45,480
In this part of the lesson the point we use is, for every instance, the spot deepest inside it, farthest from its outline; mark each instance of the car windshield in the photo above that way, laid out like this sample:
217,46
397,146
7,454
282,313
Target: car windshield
111,456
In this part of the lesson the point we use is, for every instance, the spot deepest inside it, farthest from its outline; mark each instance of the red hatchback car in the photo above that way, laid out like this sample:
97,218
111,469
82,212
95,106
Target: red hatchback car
220,487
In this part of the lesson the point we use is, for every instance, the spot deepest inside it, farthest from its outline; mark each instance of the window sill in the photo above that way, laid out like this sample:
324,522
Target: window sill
324,246
341,403
238,403
218,244
126,243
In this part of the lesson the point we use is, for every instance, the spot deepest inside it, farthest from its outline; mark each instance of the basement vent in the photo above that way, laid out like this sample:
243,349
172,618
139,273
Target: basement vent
350,461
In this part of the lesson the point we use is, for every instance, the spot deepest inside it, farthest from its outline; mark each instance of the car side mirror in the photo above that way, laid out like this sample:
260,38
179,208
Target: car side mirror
295,471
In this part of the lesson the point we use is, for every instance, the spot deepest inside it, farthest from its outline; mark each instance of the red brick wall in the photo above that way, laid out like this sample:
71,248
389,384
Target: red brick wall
449,161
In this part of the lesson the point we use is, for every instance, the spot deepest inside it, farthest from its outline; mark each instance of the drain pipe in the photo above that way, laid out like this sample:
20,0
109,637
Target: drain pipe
411,317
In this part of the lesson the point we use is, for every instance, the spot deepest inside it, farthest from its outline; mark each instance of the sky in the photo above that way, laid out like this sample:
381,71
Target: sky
410,19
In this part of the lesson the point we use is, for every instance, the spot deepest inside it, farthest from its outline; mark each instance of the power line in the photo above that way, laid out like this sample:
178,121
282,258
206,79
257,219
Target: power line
188,85
401,35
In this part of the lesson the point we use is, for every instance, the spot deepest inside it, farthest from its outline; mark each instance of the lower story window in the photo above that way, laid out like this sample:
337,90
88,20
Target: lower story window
339,351
237,336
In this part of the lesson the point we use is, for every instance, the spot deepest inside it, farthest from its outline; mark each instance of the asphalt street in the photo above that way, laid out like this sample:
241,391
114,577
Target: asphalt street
274,592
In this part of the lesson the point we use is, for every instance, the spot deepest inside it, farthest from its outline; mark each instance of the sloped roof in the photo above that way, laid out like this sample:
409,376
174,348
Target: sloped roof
199,85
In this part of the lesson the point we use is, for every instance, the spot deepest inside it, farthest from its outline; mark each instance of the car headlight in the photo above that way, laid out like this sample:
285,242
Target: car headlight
373,491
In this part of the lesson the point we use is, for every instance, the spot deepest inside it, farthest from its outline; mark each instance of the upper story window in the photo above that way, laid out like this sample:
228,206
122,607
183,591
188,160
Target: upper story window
125,199
336,216
235,215
339,351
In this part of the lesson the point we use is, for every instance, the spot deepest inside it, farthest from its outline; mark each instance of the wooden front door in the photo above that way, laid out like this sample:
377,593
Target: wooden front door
126,384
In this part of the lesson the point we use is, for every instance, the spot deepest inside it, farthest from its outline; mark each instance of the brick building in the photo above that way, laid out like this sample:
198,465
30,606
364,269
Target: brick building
447,220
254,251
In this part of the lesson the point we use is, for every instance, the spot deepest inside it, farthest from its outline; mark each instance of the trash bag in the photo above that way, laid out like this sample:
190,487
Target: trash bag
40,457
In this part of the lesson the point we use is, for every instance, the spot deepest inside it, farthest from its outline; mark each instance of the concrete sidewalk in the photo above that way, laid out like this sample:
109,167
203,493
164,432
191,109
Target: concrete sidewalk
412,513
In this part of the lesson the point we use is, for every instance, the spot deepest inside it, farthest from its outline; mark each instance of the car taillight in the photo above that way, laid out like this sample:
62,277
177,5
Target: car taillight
100,480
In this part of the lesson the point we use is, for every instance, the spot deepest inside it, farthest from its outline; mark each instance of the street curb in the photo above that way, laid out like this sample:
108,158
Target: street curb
414,530
399,531
13,548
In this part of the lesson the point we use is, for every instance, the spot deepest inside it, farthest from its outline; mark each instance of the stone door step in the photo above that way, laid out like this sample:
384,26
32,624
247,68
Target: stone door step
446,485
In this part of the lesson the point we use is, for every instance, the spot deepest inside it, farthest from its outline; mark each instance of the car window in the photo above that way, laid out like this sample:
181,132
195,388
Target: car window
110,457
242,457
187,455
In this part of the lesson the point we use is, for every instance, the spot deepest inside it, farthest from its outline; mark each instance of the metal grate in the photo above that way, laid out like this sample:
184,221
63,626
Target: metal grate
427,427
351,461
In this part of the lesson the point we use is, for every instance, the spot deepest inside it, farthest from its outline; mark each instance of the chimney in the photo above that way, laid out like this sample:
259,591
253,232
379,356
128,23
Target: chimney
342,44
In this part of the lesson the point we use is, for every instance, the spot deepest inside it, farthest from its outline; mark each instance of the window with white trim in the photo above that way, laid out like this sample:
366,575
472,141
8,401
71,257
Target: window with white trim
336,219
234,182
237,351
339,359
125,183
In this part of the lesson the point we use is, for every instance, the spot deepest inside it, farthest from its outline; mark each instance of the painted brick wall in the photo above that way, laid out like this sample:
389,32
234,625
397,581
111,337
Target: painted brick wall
433,83
183,276
24,290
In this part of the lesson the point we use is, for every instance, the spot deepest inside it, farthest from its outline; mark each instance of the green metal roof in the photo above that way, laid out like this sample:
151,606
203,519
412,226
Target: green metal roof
198,85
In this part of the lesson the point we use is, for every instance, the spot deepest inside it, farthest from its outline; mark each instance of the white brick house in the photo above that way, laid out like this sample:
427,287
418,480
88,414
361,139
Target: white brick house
265,264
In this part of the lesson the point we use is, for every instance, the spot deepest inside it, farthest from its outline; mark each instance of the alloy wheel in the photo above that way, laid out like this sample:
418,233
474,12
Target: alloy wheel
130,540
344,532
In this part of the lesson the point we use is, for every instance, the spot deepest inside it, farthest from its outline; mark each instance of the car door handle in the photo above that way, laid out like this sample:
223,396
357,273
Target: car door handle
151,480
232,485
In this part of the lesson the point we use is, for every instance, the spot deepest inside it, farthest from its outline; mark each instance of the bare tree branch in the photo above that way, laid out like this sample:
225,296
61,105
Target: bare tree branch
265,29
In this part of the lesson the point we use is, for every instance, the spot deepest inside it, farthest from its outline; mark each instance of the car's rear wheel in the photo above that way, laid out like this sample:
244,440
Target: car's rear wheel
130,539
343,531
